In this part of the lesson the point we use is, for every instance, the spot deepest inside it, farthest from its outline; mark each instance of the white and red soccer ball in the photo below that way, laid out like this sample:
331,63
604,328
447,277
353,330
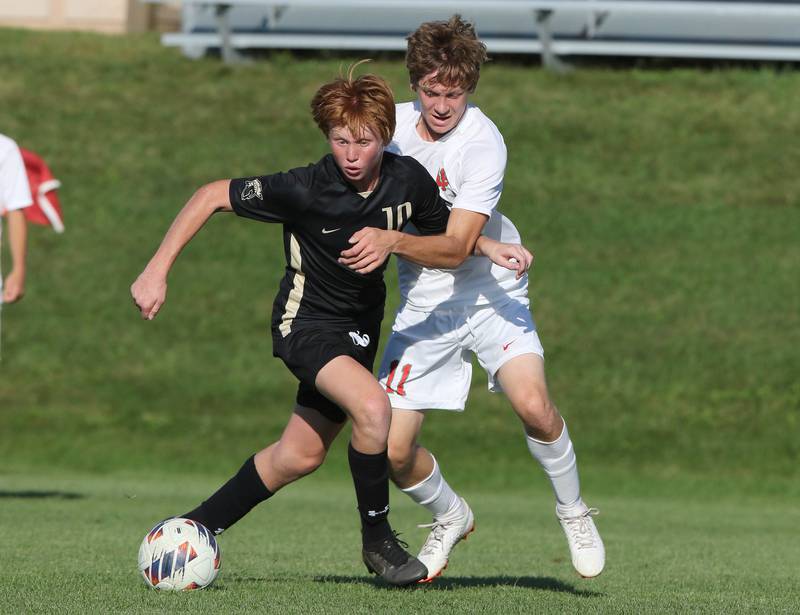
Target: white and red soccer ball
179,554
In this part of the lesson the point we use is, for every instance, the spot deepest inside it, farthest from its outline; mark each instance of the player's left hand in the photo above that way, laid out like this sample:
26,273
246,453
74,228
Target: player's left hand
512,256
371,248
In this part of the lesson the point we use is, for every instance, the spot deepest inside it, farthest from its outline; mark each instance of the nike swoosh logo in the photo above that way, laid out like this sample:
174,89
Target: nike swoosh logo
333,230
505,346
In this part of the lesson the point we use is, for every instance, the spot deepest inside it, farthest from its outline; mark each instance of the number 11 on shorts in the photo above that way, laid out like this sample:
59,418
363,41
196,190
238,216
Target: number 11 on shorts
400,390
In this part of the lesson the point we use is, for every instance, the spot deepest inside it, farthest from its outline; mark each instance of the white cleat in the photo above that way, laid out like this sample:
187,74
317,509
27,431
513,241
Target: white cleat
585,544
445,534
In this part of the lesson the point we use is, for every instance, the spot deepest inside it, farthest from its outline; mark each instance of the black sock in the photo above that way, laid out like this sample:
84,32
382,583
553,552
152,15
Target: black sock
233,500
371,480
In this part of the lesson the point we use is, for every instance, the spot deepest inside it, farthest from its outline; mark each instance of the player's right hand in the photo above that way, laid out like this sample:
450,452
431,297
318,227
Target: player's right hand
149,293
370,249
512,256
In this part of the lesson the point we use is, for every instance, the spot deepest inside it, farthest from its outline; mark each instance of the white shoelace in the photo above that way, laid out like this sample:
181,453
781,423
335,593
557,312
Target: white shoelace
436,536
581,528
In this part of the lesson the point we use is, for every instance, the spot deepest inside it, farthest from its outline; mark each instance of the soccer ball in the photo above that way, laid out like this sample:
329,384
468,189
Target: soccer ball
179,554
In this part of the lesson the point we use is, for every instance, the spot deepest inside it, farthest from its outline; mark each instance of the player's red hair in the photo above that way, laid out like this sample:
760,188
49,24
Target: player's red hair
364,102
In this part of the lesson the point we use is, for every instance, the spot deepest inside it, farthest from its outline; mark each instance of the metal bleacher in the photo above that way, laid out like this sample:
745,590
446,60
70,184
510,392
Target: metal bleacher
712,29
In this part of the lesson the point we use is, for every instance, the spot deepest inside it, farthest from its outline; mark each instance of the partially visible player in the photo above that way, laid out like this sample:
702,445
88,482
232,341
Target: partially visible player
15,195
326,318
446,316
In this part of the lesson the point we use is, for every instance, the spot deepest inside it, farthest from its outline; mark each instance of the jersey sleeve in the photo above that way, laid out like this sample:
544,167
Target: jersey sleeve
483,167
282,197
431,213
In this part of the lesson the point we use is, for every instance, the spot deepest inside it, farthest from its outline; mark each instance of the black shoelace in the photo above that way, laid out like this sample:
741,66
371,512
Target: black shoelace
393,549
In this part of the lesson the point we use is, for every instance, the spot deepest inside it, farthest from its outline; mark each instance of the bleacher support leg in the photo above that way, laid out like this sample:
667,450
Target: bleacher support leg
549,59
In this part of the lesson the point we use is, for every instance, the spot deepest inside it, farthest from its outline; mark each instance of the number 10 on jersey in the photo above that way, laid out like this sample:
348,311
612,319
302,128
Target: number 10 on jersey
403,214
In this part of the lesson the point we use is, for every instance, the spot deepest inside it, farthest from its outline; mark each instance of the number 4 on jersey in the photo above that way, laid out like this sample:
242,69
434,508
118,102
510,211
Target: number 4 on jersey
441,180
400,390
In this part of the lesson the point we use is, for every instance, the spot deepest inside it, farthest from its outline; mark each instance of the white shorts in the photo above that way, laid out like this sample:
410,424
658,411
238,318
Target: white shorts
427,362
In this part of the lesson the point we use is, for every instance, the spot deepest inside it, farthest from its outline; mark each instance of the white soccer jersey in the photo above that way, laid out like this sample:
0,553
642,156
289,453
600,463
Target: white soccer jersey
15,193
468,164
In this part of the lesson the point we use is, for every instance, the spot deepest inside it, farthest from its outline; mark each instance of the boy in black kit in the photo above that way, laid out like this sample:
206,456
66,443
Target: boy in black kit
326,317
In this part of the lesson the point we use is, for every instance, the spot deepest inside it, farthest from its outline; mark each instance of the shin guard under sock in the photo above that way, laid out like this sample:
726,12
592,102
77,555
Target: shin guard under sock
371,481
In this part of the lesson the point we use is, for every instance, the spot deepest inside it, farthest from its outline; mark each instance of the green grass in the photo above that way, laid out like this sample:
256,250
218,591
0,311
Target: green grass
662,206
664,212
667,553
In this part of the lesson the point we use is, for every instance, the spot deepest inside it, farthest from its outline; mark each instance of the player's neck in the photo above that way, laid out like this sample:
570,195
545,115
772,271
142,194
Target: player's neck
425,133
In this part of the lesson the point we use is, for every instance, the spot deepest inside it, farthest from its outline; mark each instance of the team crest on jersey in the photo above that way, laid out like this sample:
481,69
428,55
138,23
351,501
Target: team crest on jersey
358,339
252,187
441,180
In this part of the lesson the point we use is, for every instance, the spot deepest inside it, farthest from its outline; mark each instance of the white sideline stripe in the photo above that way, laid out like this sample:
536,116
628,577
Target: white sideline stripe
296,294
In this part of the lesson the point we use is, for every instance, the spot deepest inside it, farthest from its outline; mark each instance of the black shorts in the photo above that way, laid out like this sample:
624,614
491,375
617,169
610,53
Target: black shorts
307,349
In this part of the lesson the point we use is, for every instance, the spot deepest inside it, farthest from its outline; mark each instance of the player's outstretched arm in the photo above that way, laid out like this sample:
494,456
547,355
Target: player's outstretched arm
512,256
371,246
149,291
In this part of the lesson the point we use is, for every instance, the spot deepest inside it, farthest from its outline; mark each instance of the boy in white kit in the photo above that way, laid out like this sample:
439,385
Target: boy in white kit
479,308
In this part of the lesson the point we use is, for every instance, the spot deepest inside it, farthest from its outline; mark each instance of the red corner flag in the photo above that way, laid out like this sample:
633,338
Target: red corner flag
46,209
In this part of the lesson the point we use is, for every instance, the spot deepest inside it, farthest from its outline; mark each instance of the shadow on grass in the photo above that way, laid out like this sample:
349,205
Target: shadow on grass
451,583
60,495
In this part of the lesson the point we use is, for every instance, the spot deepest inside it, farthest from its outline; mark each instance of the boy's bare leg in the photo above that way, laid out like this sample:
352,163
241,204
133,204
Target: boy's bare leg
300,450
415,470
523,381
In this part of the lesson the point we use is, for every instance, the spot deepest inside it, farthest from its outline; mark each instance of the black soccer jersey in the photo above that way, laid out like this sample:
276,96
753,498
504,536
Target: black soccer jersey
320,210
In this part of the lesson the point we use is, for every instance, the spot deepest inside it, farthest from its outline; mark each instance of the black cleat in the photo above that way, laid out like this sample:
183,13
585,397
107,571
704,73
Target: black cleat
392,562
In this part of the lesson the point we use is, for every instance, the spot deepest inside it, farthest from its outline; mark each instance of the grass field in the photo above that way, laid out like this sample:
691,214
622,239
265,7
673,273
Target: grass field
668,553
664,212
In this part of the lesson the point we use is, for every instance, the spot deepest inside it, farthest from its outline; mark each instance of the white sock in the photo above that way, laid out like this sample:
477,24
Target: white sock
434,493
561,466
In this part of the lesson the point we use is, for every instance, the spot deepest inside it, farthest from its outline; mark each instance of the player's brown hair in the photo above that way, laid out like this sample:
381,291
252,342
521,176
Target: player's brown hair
449,48
364,102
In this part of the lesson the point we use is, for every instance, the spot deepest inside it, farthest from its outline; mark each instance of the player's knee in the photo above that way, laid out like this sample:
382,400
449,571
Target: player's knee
401,457
373,416
538,412
309,462
295,464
